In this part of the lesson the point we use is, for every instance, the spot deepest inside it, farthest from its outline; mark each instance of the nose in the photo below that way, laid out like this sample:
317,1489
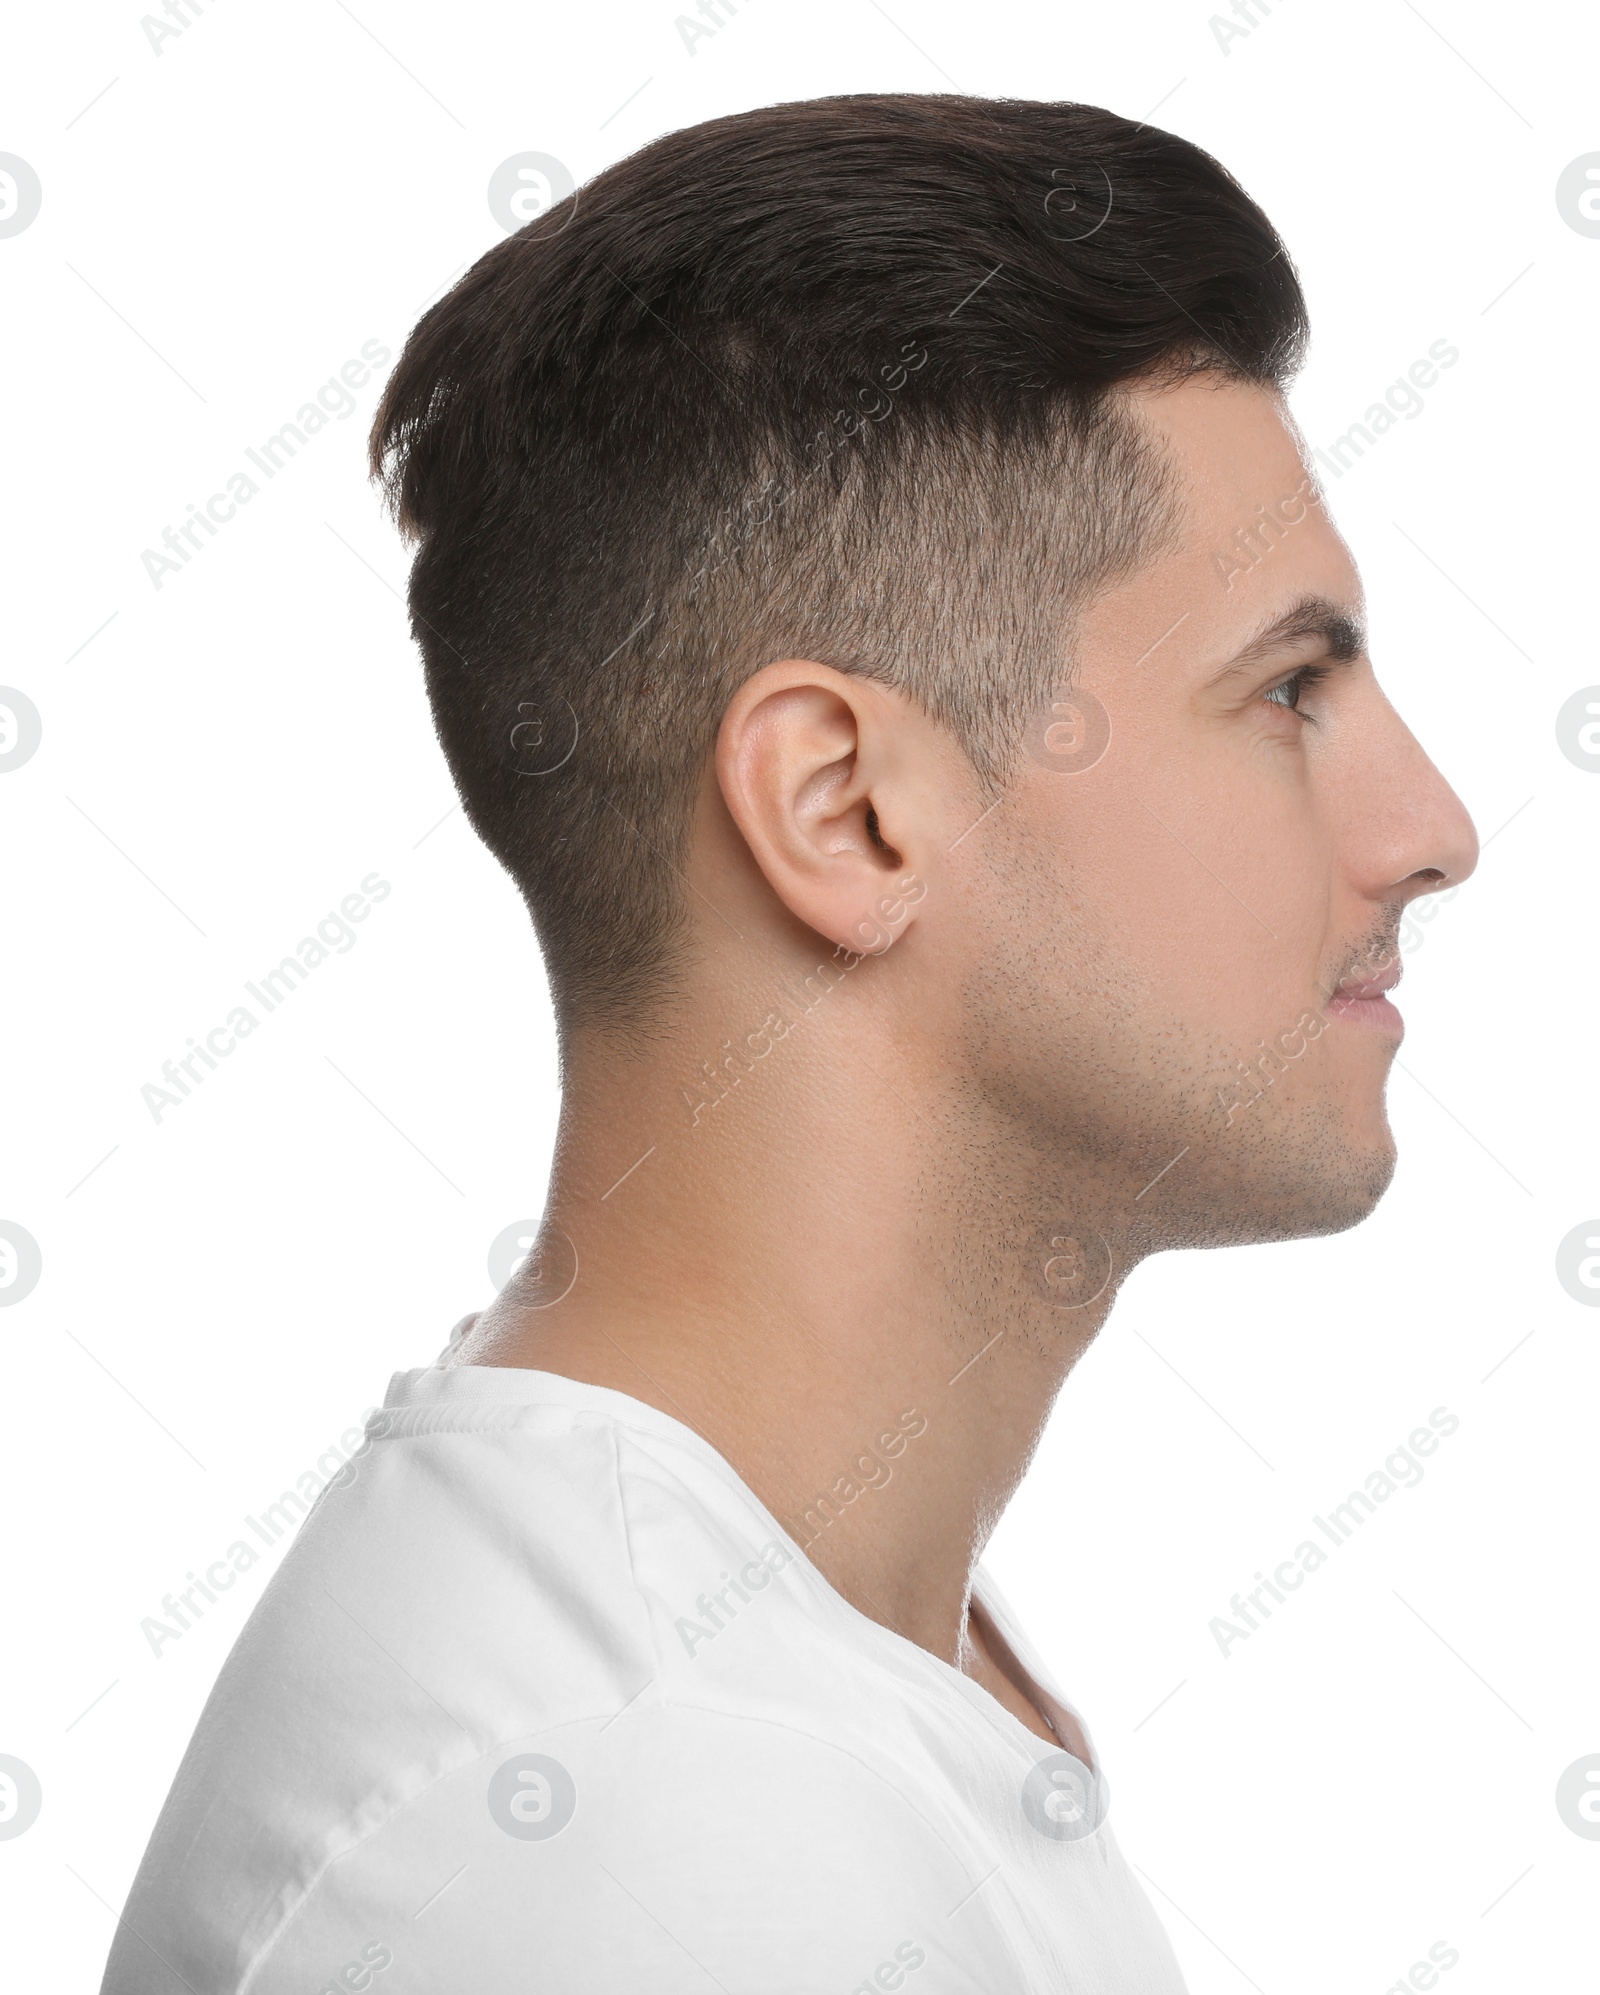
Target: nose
1420,838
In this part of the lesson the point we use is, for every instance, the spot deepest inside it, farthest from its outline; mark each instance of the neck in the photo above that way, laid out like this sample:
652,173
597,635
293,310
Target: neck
830,1261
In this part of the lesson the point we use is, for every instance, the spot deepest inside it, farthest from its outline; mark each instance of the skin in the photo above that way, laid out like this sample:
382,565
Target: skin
920,1196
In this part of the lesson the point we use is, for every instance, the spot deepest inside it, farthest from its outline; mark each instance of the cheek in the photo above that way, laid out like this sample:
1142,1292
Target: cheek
1213,902
1201,878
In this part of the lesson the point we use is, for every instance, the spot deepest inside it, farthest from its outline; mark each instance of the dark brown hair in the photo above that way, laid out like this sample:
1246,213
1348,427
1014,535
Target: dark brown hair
833,380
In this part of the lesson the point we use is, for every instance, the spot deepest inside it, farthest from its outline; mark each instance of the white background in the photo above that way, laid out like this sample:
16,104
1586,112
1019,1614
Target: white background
225,1292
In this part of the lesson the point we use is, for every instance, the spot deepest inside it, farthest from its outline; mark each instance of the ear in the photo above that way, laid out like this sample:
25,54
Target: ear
812,765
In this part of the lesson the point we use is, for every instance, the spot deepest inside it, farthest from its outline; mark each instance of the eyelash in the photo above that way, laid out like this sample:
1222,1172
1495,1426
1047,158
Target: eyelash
1296,684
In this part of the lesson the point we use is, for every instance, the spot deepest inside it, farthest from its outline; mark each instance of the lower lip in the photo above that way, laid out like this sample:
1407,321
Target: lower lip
1375,1012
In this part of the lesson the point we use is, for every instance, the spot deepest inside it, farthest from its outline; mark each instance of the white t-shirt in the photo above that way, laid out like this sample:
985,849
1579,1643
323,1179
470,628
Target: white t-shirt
543,1700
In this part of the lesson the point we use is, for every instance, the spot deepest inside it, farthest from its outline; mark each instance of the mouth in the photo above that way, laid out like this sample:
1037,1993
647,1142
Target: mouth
1365,1001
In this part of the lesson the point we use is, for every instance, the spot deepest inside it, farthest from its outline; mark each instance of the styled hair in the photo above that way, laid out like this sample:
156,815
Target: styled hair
834,380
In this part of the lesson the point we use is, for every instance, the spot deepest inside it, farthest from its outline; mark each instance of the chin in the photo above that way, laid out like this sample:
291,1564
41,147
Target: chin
1332,1200
1317,1182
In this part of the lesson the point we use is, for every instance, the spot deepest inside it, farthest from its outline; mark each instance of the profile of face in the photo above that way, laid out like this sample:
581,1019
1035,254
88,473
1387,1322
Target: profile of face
1166,950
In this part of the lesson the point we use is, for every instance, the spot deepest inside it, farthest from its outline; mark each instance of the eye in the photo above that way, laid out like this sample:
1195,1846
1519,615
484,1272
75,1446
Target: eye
1288,692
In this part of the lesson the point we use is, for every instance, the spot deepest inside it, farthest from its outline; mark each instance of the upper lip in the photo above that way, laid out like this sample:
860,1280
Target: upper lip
1371,986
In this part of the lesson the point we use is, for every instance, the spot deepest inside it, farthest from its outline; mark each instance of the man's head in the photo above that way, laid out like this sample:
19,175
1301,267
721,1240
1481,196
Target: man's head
888,487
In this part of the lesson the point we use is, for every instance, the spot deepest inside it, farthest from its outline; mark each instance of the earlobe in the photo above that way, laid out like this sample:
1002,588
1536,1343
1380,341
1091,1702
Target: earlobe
876,932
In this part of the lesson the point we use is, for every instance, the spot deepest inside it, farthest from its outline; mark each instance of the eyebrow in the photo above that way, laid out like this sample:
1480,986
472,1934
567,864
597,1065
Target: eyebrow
1340,628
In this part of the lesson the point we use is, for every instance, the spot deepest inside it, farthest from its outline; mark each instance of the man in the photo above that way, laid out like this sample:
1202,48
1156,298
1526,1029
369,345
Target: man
877,608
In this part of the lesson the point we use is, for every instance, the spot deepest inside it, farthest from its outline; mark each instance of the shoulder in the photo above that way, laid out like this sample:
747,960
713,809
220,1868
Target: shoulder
472,1575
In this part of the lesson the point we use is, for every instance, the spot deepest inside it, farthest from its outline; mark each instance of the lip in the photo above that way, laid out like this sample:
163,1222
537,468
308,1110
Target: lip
1364,1001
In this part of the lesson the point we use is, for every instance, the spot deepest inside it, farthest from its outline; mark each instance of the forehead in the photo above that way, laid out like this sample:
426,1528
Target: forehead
1252,535
1224,437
